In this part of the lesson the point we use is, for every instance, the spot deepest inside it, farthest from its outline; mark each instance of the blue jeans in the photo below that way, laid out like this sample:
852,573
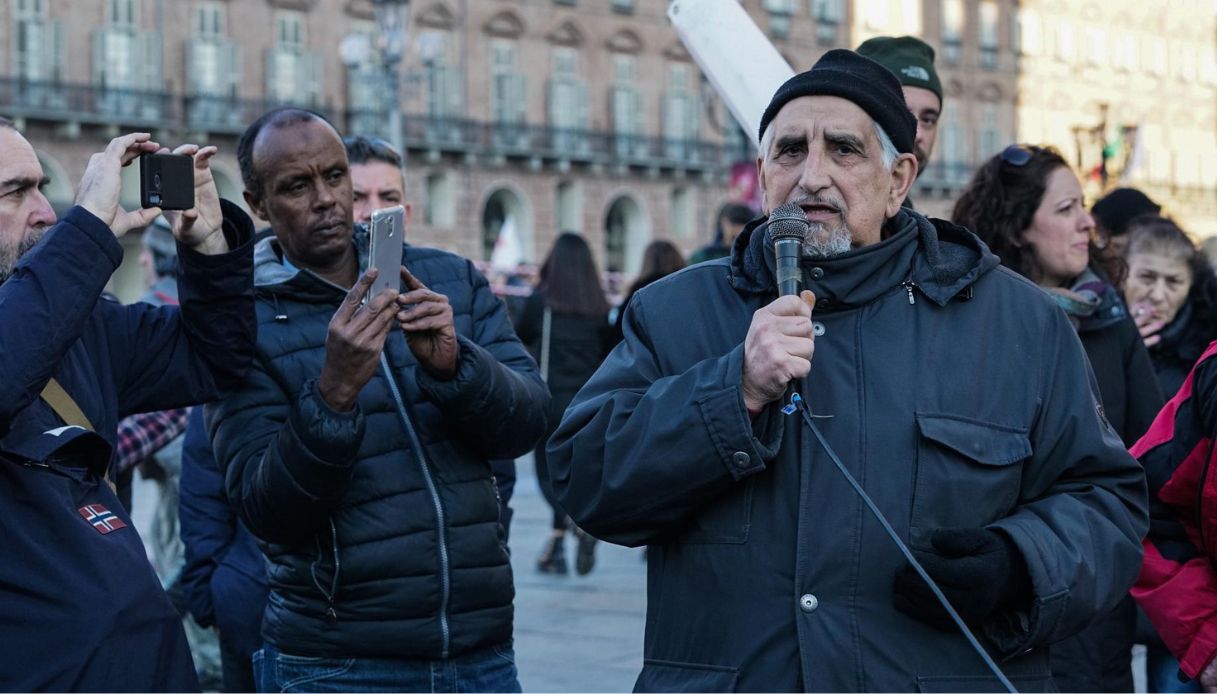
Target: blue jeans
486,670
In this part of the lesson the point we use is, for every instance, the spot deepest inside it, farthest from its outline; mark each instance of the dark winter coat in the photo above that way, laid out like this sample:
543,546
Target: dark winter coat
381,525
1097,659
577,346
1182,343
80,606
224,578
1127,384
765,572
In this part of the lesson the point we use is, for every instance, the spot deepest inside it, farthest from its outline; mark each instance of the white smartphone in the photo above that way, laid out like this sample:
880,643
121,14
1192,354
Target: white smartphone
384,248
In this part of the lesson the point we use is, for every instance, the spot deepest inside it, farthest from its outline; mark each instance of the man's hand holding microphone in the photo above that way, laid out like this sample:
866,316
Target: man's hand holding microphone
780,341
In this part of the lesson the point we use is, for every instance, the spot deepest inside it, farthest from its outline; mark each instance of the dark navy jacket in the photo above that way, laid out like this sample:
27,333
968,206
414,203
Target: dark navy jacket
955,392
80,607
381,524
225,573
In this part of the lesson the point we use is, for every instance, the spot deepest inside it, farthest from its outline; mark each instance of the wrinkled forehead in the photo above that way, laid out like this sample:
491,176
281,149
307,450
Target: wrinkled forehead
17,158
812,115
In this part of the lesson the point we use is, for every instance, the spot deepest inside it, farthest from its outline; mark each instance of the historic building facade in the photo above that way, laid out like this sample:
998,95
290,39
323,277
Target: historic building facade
588,115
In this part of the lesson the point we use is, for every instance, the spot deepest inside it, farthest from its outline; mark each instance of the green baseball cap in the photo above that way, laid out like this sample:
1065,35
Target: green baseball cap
909,58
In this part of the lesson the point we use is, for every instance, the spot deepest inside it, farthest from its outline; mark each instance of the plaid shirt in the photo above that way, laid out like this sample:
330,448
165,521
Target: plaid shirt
141,435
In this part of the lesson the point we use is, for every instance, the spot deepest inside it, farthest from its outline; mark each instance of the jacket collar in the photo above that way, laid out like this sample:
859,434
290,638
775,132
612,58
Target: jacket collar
936,258
272,275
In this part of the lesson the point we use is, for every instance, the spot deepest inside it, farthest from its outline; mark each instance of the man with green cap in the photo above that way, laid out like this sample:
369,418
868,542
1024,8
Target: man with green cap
911,60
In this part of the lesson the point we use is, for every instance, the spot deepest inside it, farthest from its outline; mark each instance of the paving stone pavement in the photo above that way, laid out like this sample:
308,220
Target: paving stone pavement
573,633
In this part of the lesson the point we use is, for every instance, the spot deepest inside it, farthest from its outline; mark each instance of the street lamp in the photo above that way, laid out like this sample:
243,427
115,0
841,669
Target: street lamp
391,18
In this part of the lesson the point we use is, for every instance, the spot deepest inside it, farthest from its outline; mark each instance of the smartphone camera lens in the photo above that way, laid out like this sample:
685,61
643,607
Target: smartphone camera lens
156,181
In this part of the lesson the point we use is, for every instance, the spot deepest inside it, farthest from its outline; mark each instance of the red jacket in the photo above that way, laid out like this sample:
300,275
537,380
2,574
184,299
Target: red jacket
1177,587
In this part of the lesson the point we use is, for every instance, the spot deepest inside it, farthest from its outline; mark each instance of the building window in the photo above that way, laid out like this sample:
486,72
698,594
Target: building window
681,114
39,43
438,210
827,15
990,139
1030,37
910,17
780,12
570,206
988,35
209,19
877,14
293,75
1066,47
955,160
443,81
121,13
506,85
289,30
626,99
952,29
623,6
567,99
681,223
1096,47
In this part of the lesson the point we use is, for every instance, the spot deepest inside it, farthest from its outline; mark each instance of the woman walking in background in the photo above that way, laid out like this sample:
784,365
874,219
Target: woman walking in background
660,259
1172,294
565,324
1026,204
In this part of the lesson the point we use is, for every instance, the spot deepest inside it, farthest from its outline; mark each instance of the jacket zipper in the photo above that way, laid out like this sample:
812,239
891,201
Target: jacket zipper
445,583
416,444
909,286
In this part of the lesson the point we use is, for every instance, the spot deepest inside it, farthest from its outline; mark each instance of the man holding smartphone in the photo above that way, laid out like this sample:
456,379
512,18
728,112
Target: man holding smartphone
80,607
378,180
357,448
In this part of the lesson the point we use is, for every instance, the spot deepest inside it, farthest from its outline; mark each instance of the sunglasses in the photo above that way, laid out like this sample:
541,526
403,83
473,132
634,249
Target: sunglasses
1016,155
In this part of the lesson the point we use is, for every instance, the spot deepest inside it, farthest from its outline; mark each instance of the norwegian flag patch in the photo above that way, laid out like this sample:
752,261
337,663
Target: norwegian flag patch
102,519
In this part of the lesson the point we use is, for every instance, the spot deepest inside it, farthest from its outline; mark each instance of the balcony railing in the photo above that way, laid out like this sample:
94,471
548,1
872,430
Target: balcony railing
518,140
87,103
229,115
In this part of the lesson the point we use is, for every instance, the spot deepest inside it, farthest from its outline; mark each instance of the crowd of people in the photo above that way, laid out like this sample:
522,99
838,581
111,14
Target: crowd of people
1023,393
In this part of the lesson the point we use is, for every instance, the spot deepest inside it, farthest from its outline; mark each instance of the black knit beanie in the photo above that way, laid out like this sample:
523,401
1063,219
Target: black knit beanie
861,80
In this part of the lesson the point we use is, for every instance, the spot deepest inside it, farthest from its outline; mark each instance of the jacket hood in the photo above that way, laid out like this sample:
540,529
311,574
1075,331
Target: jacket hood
271,275
939,258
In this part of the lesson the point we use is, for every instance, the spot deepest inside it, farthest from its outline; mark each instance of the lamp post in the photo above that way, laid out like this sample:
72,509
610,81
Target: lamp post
390,45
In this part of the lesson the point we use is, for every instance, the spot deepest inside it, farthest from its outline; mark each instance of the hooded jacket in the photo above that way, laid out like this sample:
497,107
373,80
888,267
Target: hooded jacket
80,606
1178,581
956,393
381,525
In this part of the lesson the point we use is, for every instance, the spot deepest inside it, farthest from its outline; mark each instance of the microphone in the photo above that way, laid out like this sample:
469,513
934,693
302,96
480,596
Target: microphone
787,229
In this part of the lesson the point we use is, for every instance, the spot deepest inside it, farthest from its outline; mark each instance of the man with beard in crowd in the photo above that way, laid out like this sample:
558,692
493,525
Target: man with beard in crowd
765,571
80,606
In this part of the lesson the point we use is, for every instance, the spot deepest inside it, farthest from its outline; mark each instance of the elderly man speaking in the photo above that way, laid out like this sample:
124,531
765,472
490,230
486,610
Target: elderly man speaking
954,391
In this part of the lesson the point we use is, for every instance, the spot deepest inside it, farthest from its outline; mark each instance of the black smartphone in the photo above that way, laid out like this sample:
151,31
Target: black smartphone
166,181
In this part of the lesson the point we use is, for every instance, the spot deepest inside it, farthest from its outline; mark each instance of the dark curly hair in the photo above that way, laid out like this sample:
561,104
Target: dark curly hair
1001,199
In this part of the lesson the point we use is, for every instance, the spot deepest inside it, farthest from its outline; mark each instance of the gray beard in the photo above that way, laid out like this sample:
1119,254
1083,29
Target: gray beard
822,242
10,256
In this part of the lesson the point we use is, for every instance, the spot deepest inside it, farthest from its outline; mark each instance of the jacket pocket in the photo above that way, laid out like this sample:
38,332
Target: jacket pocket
725,520
304,673
968,472
984,684
672,676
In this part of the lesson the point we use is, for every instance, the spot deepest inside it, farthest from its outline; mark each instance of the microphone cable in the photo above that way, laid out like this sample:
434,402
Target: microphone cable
797,403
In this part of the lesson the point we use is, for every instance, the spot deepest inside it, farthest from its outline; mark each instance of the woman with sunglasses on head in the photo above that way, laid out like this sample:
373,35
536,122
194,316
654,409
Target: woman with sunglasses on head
1027,205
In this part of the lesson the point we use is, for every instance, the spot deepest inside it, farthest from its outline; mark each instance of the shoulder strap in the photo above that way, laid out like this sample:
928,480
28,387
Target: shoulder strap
546,327
65,406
